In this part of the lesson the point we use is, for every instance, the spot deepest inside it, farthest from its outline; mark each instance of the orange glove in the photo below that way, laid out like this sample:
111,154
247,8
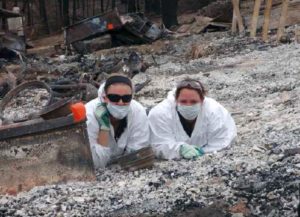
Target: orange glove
78,110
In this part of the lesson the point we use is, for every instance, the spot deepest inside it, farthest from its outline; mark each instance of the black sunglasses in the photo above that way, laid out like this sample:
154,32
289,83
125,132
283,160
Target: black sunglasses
117,98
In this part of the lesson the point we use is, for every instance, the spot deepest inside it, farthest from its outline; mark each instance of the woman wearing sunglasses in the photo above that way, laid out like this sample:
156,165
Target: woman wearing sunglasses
116,123
188,124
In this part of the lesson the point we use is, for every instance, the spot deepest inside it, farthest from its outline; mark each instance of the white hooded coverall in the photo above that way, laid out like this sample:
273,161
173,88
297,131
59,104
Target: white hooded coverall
214,128
135,136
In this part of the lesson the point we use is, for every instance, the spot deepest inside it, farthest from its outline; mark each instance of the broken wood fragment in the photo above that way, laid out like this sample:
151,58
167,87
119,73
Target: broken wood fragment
139,87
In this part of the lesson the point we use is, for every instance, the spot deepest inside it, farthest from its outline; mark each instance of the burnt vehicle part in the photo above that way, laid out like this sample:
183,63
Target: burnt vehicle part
89,46
140,26
39,152
137,29
92,27
110,30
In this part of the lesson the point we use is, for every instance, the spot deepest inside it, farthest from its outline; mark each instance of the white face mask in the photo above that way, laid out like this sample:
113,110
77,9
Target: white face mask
118,111
189,112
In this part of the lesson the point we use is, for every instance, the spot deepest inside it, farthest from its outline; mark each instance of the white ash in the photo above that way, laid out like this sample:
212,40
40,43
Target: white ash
27,102
261,88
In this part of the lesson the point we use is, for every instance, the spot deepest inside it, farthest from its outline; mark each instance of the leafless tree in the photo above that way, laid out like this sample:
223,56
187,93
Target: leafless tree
44,18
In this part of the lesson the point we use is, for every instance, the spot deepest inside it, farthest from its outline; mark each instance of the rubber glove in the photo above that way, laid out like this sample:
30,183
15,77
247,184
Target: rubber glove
190,151
102,116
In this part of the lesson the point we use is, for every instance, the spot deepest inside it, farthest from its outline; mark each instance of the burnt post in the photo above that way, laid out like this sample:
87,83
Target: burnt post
169,12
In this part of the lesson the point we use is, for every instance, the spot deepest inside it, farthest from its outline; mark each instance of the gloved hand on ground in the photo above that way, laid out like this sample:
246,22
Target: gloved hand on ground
102,116
190,151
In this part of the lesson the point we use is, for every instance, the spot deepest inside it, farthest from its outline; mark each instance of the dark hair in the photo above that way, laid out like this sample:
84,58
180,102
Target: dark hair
192,84
117,78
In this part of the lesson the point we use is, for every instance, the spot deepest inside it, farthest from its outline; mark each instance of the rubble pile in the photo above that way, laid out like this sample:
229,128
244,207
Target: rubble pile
32,101
74,76
259,84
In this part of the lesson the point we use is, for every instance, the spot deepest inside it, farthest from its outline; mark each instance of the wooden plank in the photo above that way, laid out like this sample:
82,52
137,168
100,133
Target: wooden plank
234,21
238,15
255,18
30,127
267,15
282,21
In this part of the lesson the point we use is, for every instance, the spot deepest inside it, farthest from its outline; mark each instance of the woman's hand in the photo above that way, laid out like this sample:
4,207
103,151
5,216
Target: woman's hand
102,116
190,151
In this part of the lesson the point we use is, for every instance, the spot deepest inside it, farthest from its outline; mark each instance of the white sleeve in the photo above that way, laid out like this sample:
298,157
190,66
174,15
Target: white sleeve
162,136
101,155
139,134
221,130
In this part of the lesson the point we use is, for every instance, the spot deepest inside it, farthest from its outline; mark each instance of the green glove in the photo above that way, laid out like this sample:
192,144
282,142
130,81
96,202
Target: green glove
190,151
102,116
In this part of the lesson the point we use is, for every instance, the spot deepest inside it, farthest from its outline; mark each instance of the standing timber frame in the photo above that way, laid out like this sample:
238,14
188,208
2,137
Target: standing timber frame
255,18
284,11
237,18
267,20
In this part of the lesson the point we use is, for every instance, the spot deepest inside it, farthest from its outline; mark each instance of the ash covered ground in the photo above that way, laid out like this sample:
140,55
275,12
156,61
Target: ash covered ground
259,84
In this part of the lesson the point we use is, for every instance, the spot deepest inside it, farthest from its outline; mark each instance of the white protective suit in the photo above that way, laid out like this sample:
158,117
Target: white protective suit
214,128
135,136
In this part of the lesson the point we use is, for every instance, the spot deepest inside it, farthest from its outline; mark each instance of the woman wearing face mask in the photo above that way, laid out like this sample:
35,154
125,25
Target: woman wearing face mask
116,123
187,124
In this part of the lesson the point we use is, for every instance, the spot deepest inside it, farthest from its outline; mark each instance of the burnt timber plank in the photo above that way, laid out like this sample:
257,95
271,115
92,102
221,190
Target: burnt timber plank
29,127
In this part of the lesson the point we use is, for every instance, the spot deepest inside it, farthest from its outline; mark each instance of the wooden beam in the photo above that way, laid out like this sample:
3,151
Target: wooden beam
267,20
255,18
234,21
284,10
236,8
